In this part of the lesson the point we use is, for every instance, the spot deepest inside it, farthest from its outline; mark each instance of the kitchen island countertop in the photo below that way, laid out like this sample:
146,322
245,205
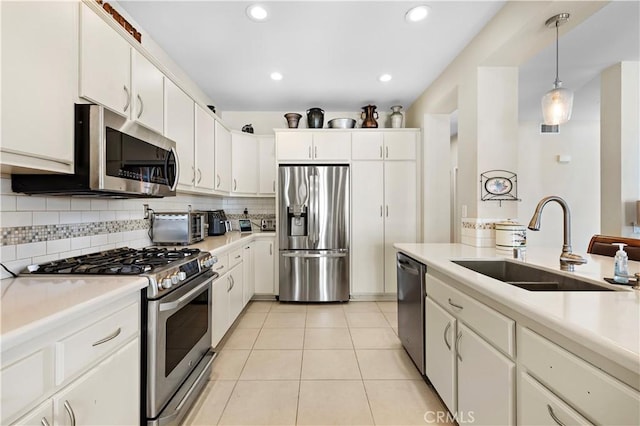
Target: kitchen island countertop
607,323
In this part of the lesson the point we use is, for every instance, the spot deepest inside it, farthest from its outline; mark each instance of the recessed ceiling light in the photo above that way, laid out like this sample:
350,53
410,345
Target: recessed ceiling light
276,76
257,13
416,14
384,78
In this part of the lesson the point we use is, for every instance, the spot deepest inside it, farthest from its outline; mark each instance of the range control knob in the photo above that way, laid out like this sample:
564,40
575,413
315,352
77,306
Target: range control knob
174,279
182,276
166,283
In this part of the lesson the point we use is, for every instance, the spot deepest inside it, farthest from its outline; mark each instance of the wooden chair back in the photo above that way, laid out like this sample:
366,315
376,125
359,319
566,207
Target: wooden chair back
603,245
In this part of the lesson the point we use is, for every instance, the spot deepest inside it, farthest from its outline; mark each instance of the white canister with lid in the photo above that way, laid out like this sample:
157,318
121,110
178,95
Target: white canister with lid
510,235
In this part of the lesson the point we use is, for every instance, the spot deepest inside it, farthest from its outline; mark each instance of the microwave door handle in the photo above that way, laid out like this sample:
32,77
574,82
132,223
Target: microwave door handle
177,177
184,299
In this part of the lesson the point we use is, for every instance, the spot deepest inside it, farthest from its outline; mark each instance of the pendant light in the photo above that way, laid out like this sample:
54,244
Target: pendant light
557,102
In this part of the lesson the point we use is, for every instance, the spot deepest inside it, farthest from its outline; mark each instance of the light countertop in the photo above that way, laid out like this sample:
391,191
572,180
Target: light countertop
229,241
605,322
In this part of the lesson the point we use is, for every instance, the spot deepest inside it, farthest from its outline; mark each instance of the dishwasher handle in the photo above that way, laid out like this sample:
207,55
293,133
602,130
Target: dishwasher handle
406,266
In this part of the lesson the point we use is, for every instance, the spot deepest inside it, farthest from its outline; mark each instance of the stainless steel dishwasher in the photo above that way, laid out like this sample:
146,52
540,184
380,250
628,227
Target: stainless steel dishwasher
411,294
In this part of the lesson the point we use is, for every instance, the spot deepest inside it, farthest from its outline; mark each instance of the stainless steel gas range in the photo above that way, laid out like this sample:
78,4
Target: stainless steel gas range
176,321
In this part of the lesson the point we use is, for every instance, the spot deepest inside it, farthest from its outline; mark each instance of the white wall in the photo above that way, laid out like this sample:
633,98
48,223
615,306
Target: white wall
578,182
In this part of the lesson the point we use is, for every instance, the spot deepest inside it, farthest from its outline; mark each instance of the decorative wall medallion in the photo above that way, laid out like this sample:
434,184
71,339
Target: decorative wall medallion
499,185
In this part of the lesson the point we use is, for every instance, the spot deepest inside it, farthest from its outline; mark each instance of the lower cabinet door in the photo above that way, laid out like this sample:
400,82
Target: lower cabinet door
235,292
486,381
539,406
107,395
264,266
220,307
248,284
440,333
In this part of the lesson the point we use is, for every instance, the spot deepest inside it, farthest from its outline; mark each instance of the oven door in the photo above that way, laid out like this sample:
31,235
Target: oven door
178,336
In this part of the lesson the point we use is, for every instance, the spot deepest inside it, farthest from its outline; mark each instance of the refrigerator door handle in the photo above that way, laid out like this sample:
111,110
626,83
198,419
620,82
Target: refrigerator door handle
313,208
314,254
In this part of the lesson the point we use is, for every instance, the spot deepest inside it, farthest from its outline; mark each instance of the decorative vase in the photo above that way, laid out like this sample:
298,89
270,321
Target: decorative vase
315,118
293,118
369,116
396,117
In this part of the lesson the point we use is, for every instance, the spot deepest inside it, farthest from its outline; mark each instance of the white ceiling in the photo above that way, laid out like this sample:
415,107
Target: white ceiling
331,53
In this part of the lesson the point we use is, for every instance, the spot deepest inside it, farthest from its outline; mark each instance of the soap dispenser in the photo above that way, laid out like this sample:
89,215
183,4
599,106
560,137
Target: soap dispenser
620,265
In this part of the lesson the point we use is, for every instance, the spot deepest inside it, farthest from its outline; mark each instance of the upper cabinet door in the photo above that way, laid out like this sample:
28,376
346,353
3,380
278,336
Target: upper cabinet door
295,146
367,145
244,163
332,145
105,64
400,145
223,158
267,165
205,149
179,127
148,89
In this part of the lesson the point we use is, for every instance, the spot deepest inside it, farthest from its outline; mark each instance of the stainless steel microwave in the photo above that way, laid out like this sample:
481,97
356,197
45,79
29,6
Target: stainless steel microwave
114,157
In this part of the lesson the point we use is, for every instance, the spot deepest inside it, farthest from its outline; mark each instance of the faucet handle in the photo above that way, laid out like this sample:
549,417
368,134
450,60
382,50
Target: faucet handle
572,258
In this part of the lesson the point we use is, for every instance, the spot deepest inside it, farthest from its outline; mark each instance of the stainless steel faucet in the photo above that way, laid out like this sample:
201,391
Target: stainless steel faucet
568,260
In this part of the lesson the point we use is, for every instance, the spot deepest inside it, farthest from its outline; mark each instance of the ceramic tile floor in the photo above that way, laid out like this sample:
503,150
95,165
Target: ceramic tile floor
315,364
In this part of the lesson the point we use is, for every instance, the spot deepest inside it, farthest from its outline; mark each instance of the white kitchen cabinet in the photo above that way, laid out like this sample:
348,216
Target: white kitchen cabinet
384,144
223,159
486,380
105,63
244,163
440,359
148,93
204,150
333,145
384,203
267,165
107,394
220,306
264,266
367,227
41,416
538,406
248,282
39,85
179,127
235,292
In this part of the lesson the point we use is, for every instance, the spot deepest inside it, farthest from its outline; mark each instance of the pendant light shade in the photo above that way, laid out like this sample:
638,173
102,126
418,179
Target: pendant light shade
558,102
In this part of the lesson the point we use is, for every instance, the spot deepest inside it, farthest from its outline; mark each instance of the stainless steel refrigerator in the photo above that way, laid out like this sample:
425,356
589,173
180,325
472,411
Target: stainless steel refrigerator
313,228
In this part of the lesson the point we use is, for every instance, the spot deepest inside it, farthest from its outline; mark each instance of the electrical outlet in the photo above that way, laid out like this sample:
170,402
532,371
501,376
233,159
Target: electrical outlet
146,211
246,211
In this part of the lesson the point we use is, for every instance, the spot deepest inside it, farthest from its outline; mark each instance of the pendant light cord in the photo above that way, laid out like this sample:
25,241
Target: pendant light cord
557,56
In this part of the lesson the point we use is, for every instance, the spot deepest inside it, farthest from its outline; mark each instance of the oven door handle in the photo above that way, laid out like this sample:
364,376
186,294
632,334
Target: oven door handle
186,298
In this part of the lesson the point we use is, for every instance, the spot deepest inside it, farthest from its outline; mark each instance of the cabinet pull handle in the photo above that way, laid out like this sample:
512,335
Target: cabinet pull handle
457,346
44,422
270,249
380,210
126,106
315,152
72,415
193,173
233,282
141,106
387,208
454,305
386,151
199,175
554,417
218,181
444,336
220,268
109,337
380,151
228,284
235,185
238,257
309,152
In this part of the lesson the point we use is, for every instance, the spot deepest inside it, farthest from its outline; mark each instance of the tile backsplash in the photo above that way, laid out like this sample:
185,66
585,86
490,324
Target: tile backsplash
37,229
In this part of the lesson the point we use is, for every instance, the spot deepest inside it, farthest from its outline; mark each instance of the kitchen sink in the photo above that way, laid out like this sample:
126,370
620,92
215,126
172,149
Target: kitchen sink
528,277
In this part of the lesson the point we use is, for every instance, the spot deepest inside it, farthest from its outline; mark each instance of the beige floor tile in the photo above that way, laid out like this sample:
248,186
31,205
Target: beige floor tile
272,365
392,318
366,319
386,364
285,320
327,338
395,329
361,307
280,338
252,320
375,338
288,307
322,319
330,364
228,364
262,403
333,402
388,306
241,338
403,402
210,404
260,306
325,307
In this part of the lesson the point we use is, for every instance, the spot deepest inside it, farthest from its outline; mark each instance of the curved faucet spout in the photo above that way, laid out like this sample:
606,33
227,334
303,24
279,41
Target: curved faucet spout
567,258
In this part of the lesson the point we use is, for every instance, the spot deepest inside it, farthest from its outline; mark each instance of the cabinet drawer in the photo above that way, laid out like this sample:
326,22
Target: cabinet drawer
25,381
538,406
222,265
600,397
490,324
79,350
235,257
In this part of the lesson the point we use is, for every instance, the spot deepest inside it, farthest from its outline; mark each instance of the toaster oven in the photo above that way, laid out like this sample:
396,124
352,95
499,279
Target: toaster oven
178,228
